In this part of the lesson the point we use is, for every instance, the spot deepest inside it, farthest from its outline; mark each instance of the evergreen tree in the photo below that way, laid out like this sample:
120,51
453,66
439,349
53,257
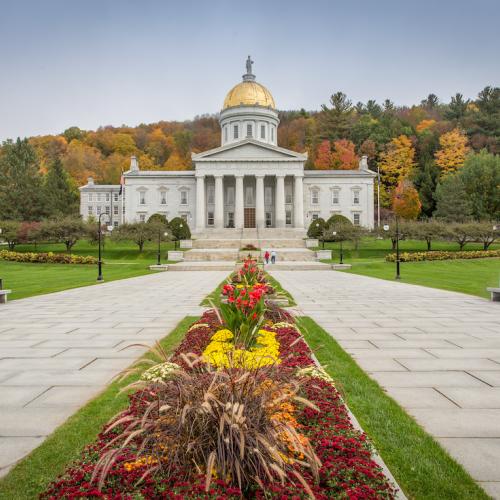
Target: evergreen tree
60,193
335,121
425,181
21,193
452,201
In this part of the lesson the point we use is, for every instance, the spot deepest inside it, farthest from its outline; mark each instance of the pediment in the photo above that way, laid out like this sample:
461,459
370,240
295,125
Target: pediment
248,150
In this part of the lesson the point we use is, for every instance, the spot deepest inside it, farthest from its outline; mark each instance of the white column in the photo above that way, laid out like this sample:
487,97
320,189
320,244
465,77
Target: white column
259,201
219,202
298,202
200,203
280,201
239,204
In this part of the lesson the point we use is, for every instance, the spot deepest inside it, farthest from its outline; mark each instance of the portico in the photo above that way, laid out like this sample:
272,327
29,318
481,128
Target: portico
249,201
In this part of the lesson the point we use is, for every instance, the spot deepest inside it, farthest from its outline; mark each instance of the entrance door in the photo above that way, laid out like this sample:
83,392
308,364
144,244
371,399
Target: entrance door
249,217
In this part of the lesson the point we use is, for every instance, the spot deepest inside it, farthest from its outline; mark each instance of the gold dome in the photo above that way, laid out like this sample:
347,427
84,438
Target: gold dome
249,93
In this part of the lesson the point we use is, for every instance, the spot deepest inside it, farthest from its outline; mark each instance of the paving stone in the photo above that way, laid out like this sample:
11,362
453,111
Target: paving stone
427,379
389,353
19,396
477,397
492,488
490,377
419,397
466,353
407,344
13,449
58,363
380,365
28,423
478,455
64,396
462,364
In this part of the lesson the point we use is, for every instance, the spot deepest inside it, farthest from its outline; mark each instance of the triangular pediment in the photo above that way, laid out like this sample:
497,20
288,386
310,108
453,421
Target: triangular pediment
248,150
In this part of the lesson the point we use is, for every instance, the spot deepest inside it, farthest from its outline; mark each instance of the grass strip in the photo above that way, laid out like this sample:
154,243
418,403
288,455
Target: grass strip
32,475
213,298
421,466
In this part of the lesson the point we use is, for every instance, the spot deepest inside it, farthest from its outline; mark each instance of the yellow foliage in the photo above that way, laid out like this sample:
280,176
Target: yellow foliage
424,125
397,161
453,151
176,162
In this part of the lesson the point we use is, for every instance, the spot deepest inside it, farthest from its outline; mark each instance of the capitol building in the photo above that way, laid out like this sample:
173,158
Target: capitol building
247,182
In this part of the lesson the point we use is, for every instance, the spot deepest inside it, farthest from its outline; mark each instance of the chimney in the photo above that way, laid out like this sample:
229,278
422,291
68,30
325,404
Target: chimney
363,163
90,181
134,164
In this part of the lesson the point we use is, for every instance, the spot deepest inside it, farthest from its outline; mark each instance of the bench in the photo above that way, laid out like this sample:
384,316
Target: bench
495,294
3,296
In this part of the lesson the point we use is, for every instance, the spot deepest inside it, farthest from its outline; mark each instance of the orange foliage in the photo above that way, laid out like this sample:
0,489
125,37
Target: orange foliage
405,201
453,151
397,161
323,156
424,125
344,156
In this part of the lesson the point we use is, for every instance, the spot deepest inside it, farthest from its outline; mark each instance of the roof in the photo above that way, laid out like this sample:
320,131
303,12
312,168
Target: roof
159,173
339,173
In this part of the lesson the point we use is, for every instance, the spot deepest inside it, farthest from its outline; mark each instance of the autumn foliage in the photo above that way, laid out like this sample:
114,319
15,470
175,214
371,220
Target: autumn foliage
453,151
405,201
397,162
339,155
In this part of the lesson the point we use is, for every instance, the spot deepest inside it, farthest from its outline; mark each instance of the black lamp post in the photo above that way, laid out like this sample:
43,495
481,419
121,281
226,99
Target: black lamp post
1,281
99,261
158,262
341,252
398,261
177,239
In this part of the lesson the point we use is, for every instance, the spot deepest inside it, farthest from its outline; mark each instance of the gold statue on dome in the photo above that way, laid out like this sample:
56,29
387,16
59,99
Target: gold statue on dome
249,65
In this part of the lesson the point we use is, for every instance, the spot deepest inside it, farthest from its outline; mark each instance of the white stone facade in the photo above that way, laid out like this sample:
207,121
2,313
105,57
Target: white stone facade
249,181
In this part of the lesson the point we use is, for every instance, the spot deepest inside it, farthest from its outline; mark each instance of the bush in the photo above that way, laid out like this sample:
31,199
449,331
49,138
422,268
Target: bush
316,228
46,258
10,233
441,255
67,230
180,229
158,218
337,219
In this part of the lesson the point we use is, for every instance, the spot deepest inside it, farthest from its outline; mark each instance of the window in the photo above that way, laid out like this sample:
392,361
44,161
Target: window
230,195
211,194
142,198
272,134
98,196
91,211
163,197
288,217
123,209
249,196
314,196
107,209
249,130
210,218
115,223
335,196
230,219
356,218
225,133
115,197
115,210
269,219
235,132
184,217
262,131
355,197
288,194
90,196
98,208
142,217
107,196
184,197
268,195
315,216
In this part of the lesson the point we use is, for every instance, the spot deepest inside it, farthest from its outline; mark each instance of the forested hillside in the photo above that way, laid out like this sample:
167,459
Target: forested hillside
423,143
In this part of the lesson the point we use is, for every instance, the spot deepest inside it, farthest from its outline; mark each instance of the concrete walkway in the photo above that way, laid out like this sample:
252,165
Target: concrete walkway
435,352
59,350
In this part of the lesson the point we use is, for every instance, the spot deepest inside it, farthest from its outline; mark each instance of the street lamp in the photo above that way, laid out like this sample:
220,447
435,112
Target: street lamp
181,225
398,261
158,263
99,261
1,281
341,252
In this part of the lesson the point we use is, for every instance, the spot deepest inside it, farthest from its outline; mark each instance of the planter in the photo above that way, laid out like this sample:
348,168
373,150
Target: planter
175,255
324,254
186,243
312,243
161,267
243,254
339,267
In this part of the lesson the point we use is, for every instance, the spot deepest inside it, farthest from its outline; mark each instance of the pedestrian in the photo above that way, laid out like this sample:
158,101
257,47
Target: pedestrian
266,256
273,256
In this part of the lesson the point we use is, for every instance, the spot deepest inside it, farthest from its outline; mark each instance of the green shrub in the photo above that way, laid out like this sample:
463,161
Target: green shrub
46,258
158,218
180,229
337,219
316,228
441,255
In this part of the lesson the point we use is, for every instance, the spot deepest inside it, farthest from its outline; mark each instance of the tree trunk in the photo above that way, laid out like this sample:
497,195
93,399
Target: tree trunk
141,246
429,245
462,244
393,243
11,245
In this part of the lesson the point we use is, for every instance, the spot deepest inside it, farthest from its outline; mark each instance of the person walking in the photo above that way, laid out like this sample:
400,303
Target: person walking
273,256
266,256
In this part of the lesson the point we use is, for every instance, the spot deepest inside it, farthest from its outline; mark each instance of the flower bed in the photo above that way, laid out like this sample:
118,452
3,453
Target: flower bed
441,255
46,258
316,452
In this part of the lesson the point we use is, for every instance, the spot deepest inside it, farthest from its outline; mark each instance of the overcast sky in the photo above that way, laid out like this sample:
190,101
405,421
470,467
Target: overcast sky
111,62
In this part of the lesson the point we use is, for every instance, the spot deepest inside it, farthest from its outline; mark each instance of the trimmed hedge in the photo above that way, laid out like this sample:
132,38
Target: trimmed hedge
46,258
441,255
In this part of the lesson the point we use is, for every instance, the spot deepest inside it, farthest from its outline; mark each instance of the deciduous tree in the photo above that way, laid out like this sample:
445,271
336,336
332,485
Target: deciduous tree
397,162
323,159
453,151
344,156
405,201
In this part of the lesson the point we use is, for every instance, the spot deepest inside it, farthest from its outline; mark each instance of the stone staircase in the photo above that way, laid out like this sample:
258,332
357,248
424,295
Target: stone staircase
220,249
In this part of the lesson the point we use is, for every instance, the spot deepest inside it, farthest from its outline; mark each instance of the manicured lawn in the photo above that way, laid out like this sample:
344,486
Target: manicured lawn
466,276
31,476
122,260
419,464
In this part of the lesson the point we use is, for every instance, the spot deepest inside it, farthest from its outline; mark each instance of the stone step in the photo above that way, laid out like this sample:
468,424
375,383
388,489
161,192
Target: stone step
291,254
282,243
297,266
211,254
203,266
218,243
